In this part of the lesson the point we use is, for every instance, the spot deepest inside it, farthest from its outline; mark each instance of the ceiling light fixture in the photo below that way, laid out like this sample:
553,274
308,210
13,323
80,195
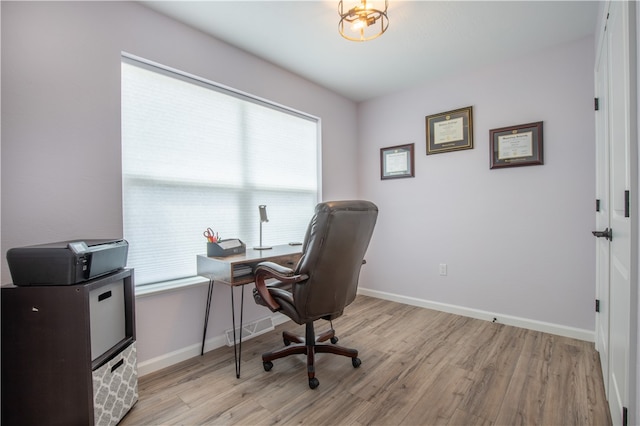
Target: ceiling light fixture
360,21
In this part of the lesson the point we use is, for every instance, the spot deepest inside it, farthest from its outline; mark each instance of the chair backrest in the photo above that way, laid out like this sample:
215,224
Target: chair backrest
332,255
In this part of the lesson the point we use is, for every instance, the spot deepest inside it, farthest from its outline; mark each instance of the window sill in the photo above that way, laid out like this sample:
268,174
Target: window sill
169,286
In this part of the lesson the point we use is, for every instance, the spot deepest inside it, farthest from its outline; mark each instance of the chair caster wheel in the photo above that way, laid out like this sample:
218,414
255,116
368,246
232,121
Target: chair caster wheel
356,362
313,383
334,340
267,365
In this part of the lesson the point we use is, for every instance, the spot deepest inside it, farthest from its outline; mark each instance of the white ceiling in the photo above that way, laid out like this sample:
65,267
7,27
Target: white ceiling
425,40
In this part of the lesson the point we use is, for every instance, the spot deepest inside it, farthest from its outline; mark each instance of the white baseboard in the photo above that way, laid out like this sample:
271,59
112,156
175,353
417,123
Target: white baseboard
560,330
171,358
216,342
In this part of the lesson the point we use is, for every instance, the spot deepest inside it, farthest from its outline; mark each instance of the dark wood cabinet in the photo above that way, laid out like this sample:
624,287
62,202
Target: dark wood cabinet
68,352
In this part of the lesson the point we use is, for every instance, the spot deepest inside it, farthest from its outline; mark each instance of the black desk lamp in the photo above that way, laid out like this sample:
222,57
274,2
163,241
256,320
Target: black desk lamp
263,218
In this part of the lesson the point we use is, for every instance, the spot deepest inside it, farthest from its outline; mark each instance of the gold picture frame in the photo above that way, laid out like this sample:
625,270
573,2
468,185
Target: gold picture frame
450,131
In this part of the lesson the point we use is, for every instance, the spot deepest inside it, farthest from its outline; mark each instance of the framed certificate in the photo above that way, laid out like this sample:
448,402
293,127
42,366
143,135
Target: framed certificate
397,162
516,146
450,131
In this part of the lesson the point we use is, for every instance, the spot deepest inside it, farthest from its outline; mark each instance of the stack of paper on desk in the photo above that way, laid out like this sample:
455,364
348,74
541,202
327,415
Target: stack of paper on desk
241,270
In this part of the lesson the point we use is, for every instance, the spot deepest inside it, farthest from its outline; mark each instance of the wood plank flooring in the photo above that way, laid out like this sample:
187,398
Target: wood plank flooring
419,367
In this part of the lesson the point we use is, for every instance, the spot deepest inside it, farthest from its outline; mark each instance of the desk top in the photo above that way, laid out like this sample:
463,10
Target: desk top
258,255
238,269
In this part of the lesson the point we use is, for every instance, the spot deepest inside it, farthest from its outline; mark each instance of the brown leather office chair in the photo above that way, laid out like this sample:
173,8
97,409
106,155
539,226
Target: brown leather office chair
324,281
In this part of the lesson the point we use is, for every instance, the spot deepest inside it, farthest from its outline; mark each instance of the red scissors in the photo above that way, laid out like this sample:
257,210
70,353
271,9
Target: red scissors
211,236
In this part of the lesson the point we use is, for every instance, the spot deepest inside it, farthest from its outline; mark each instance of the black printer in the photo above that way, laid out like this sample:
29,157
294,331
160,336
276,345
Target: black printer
66,262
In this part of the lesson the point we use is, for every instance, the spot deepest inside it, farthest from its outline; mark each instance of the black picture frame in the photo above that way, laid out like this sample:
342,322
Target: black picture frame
397,162
516,146
450,131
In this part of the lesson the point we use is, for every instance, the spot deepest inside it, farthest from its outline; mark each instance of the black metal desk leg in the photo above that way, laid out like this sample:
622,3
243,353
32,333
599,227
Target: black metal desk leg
237,346
206,315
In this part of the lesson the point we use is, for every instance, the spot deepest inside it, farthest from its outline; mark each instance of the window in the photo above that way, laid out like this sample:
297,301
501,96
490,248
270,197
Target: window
198,155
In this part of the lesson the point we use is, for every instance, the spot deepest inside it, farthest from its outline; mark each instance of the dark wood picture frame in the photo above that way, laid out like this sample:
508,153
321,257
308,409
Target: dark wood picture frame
516,146
397,162
450,131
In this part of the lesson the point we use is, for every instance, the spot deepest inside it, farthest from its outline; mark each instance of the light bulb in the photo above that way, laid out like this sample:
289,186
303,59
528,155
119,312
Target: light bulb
358,24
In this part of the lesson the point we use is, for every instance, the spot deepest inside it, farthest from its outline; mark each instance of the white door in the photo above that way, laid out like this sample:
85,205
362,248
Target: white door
619,132
602,213
614,150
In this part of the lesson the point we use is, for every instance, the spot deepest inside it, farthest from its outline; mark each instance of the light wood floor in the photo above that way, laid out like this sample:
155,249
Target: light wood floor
419,367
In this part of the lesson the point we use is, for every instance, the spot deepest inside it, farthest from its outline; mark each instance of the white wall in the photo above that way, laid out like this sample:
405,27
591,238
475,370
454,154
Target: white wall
517,241
61,175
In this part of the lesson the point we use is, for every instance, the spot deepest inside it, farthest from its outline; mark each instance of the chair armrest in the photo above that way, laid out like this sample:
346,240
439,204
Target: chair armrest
278,271
266,270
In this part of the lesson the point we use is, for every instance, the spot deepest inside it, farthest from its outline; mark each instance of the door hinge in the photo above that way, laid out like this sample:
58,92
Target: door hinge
626,203
597,205
596,104
597,305
625,416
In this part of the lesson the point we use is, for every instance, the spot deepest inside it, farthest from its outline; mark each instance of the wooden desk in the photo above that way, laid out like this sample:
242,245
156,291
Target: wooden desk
237,270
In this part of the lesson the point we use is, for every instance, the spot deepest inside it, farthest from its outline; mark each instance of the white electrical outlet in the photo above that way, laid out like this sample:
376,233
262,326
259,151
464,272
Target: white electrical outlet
443,269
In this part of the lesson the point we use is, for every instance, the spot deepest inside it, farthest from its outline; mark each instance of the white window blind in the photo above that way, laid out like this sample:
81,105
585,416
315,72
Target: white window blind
198,155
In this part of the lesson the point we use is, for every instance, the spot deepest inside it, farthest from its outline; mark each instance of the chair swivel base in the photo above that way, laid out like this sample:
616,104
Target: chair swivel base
309,346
